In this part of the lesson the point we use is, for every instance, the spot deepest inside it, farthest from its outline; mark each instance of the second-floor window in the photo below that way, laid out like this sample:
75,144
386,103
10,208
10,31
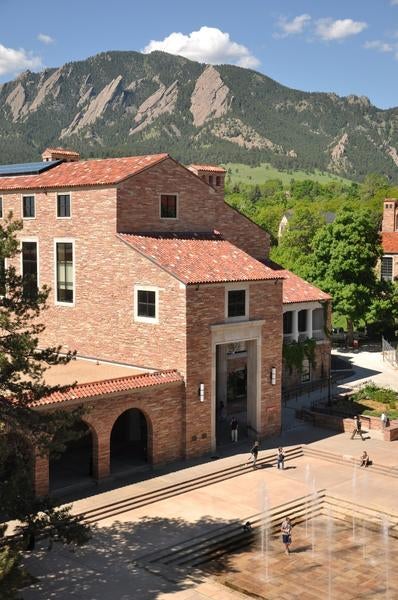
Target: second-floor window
146,304
28,207
236,303
386,268
29,268
168,206
64,273
1,207
63,206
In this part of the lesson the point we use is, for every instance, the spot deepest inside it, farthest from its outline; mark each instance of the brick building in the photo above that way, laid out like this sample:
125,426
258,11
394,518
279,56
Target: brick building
166,293
389,240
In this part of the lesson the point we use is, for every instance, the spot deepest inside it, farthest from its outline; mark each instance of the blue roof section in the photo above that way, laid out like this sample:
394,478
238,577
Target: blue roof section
27,168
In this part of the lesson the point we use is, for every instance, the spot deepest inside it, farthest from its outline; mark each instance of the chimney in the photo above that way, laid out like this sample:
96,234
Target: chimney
212,174
390,220
63,154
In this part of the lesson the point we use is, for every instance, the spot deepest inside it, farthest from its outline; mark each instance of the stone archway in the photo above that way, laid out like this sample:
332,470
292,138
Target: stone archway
75,464
130,441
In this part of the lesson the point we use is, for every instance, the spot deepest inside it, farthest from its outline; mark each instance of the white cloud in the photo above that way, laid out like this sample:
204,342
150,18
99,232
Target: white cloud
295,26
209,45
327,29
384,47
46,39
12,61
394,2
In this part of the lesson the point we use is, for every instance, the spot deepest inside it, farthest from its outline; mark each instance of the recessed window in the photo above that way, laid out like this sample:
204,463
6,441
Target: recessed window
64,272
28,207
236,303
1,207
146,309
287,322
63,206
29,269
386,268
168,206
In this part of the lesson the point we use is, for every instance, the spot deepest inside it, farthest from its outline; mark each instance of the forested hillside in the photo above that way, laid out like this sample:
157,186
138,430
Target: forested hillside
121,103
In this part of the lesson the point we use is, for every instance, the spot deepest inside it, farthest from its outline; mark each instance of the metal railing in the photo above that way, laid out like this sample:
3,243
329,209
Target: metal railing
389,352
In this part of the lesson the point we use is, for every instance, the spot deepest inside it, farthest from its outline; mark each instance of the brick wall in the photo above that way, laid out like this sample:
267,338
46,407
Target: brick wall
205,307
163,408
200,208
389,214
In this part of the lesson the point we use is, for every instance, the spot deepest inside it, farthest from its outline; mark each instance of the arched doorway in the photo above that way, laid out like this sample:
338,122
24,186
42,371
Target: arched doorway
75,464
129,441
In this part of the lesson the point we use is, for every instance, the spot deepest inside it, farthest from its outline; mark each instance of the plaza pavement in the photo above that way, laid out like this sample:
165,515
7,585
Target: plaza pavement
108,567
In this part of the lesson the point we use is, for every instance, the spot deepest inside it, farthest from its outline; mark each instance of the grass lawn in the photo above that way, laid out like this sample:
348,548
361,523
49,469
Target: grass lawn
239,172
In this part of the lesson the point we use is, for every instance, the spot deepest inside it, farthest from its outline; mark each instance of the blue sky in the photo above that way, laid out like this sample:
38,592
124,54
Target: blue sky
347,47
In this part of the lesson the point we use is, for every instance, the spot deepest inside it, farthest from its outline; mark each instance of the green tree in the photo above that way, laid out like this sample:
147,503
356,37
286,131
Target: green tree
22,384
295,245
345,254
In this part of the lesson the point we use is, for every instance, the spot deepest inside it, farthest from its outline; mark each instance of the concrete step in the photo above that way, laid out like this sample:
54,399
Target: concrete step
349,460
118,507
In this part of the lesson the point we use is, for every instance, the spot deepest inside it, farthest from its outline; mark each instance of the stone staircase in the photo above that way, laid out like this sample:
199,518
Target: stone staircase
349,460
189,557
162,493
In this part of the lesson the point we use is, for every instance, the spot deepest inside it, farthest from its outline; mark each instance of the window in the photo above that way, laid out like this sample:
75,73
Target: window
146,305
29,269
305,371
1,207
236,303
64,272
302,320
218,180
28,207
168,206
63,206
288,322
386,268
211,179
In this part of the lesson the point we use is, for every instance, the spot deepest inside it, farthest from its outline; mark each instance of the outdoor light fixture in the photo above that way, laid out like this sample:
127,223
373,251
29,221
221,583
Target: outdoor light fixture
201,392
273,375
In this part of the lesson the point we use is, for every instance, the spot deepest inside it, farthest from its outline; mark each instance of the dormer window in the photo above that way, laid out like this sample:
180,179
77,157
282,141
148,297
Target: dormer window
168,206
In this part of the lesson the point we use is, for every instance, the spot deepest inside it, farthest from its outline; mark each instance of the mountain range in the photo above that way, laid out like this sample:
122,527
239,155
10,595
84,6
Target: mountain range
123,103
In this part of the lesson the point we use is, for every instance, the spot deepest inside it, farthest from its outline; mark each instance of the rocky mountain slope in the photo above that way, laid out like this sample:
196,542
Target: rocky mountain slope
121,103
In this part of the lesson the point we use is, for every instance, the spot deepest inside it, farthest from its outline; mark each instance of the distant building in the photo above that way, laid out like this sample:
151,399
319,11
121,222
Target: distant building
389,240
328,216
166,293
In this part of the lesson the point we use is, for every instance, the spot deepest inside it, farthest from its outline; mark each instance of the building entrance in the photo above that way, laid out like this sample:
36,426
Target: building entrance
129,441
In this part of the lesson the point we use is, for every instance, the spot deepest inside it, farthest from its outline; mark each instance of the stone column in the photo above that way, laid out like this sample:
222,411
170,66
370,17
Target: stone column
252,400
222,375
295,331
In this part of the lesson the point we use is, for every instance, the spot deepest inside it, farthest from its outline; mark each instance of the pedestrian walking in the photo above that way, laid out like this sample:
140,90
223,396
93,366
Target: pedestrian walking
234,429
286,530
357,428
383,419
365,460
280,459
254,454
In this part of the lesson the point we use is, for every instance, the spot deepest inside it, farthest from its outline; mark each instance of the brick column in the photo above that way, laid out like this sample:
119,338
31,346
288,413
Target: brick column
101,455
41,475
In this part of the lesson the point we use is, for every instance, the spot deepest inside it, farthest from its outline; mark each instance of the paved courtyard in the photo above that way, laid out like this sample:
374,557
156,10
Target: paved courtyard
111,565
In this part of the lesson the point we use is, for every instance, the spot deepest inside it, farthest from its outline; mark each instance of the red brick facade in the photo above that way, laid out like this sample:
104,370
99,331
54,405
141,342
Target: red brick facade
191,319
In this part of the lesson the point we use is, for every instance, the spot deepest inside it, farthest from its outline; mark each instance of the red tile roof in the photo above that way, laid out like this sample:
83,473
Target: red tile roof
199,258
62,150
82,391
212,168
106,171
296,289
389,242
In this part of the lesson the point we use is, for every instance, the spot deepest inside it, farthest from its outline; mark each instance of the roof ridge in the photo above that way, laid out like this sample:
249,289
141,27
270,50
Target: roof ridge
123,377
